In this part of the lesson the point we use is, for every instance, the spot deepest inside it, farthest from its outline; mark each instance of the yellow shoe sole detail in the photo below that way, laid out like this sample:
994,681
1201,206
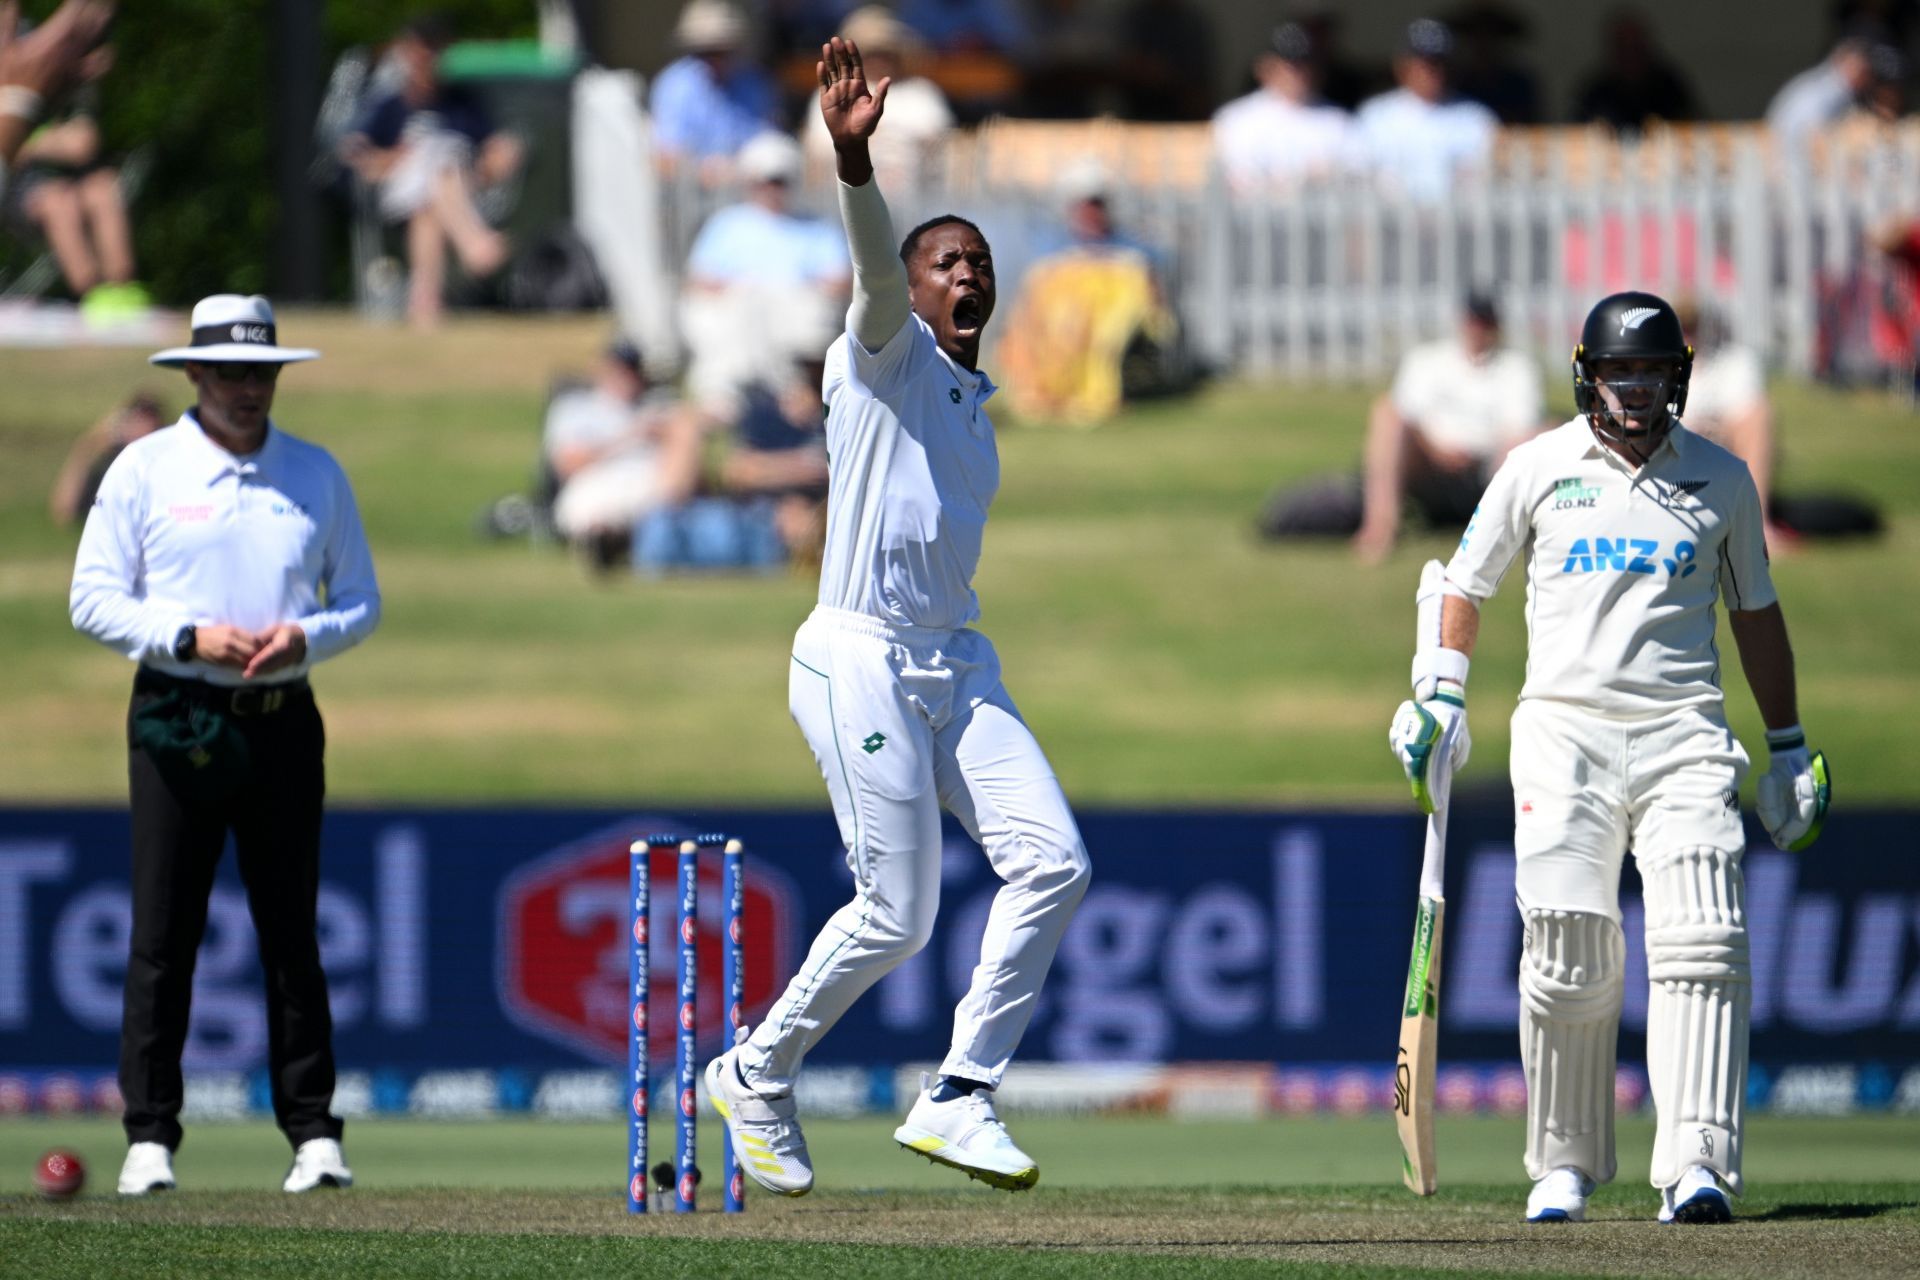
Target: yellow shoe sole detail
1019,1180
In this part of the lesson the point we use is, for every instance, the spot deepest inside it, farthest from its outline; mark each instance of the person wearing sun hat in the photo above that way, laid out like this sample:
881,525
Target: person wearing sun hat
226,558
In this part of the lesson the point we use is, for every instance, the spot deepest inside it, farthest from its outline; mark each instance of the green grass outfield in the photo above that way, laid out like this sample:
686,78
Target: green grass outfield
1119,1197
1163,656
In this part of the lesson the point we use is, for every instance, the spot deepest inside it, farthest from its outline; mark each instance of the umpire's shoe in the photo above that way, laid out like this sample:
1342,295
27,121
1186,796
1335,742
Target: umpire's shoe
318,1162
149,1167
767,1143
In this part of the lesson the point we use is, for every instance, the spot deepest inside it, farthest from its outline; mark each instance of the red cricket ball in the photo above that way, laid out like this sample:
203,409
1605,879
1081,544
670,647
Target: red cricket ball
59,1175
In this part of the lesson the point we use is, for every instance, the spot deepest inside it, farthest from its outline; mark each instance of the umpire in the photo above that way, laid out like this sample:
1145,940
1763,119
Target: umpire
226,558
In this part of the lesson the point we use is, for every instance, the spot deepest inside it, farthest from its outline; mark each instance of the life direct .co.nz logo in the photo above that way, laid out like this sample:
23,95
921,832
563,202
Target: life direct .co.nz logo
1629,555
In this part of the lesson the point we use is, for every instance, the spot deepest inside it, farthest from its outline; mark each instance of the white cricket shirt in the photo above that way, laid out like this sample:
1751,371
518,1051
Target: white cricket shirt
1623,566
1726,382
183,532
1264,138
1475,406
912,468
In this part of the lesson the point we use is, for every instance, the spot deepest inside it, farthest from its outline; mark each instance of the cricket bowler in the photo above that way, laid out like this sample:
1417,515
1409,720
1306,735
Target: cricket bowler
1631,528
900,698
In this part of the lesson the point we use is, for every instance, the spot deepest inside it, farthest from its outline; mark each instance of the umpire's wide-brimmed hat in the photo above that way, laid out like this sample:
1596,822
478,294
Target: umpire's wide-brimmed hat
228,327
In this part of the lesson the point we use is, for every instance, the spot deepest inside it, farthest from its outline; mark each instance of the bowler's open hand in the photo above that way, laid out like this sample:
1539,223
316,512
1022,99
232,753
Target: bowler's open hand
851,109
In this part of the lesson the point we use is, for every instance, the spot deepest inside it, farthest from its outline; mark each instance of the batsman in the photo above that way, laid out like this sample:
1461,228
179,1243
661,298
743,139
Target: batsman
1632,528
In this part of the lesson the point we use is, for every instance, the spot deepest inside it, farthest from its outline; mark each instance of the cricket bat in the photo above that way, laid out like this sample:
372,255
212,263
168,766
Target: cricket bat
1420,1012
1420,1015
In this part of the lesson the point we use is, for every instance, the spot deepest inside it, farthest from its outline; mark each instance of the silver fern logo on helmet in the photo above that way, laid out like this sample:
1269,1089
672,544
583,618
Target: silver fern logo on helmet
1634,317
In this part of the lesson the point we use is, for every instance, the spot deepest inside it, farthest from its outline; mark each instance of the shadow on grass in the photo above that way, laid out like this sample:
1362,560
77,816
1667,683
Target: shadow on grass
1817,1212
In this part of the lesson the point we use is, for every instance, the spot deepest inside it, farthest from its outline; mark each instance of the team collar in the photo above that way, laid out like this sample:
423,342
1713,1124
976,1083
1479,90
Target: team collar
1669,445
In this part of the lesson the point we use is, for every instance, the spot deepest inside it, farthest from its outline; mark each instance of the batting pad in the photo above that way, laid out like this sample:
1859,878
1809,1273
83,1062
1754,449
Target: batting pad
1571,982
1697,1010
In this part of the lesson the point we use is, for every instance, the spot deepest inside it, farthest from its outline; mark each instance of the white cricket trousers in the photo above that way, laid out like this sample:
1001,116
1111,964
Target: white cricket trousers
902,721
1586,791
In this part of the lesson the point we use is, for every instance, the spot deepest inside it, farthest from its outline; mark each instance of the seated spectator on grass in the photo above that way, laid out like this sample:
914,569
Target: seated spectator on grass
66,190
1090,324
752,264
714,98
767,505
909,152
1283,132
428,147
1825,94
87,461
1727,403
615,448
1422,136
1635,83
1457,406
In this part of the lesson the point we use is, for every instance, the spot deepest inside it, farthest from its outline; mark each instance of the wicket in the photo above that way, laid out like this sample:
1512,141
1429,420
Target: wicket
687,985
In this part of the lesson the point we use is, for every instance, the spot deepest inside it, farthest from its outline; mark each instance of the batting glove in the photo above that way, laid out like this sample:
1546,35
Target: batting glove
1794,792
1431,742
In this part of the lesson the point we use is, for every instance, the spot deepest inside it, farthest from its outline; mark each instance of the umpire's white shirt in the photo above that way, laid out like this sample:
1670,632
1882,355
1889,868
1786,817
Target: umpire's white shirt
914,470
183,532
1623,566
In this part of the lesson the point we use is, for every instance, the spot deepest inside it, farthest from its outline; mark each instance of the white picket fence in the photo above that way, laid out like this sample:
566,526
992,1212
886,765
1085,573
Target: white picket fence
1334,280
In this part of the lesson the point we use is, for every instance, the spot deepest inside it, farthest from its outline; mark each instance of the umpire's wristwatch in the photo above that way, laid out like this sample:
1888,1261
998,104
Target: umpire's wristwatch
183,643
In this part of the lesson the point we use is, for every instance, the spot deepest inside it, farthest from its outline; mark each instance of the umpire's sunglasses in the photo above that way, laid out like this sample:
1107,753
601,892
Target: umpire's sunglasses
246,370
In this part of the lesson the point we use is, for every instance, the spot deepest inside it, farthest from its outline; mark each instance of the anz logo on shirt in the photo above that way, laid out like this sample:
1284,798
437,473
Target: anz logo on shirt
1629,555
287,507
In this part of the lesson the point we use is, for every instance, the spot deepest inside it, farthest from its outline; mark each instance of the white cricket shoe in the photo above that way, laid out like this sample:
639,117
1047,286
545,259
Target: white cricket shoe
967,1135
318,1162
1561,1196
767,1143
149,1167
1696,1198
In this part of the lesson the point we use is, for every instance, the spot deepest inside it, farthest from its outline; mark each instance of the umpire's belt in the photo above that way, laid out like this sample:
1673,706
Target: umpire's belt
235,700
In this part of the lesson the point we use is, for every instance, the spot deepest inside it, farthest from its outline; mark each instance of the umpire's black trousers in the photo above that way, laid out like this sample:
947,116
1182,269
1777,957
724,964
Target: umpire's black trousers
203,761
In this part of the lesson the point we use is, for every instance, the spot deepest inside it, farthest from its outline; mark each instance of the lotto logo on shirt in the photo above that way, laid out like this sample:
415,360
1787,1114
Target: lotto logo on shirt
1571,495
190,513
1629,555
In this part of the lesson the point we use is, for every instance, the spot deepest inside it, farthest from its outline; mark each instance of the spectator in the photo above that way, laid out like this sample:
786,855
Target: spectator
1487,71
746,264
66,190
1422,136
1455,410
428,146
768,504
1167,61
1091,321
1727,402
1283,132
712,100
1635,83
41,64
1823,95
967,26
907,154
614,448
87,461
